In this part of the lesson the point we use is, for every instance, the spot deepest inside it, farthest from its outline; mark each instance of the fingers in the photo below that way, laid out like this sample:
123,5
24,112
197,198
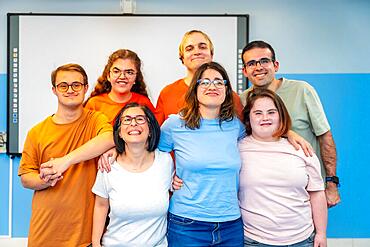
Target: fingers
332,195
306,147
105,161
177,183
332,203
46,172
102,163
46,165
310,149
307,151
55,176
296,145
47,178
53,182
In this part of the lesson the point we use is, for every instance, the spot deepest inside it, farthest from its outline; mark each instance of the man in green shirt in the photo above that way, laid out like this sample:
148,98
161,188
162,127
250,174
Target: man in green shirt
304,106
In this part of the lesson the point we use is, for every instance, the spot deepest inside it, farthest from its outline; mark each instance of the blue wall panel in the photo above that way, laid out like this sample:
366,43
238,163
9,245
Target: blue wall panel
22,199
4,188
347,105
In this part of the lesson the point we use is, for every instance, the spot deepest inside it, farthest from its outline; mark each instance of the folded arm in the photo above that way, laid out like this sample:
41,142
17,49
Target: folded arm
89,150
33,181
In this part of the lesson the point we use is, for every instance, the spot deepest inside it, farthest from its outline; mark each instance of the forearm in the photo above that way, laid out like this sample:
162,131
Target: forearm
99,218
91,149
33,181
328,153
319,211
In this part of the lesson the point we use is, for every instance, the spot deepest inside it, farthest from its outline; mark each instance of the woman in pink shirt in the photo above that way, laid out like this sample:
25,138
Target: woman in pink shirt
281,192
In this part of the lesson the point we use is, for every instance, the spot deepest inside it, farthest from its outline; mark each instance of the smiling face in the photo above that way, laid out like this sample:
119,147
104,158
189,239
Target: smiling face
196,51
211,96
134,126
260,75
122,76
264,119
70,98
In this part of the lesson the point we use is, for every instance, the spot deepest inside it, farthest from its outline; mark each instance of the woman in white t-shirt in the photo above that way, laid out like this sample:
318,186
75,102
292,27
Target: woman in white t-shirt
136,189
281,192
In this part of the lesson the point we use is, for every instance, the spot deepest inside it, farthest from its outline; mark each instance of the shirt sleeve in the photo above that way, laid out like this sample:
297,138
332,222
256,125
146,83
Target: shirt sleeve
166,143
102,124
159,112
316,112
100,186
313,169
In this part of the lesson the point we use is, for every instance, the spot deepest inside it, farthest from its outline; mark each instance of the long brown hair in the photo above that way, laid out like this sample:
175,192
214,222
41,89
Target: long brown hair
104,86
191,114
284,124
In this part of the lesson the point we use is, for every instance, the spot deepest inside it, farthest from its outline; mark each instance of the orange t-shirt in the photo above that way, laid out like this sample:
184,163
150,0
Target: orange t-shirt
172,99
110,108
62,215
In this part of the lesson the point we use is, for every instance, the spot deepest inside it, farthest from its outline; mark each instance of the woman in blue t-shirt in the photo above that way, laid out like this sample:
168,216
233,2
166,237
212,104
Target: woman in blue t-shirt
204,139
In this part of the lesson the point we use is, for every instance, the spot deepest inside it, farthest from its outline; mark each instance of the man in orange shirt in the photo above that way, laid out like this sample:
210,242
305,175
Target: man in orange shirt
62,207
195,49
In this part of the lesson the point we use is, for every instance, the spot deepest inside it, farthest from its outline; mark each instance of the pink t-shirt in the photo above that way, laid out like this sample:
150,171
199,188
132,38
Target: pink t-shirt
273,195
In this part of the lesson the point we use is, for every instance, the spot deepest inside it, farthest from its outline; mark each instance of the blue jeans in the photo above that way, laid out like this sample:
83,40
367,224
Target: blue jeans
248,242
184,232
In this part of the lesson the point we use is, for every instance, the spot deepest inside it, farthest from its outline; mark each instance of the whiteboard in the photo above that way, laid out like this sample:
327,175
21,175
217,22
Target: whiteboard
39,43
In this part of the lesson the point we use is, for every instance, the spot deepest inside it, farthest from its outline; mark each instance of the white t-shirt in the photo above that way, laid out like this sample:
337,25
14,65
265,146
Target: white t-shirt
273,195
138,203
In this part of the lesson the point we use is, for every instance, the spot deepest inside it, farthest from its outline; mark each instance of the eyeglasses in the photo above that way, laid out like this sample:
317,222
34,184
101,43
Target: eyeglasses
139,119
76,86
206,83
116,73
264,62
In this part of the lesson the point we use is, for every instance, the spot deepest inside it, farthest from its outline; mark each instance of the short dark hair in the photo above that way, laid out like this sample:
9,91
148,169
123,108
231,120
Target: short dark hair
259,44
154,129
191,113
69,67
257,93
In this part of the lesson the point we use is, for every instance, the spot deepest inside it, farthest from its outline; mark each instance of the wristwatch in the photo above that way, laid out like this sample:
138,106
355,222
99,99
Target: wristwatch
333,179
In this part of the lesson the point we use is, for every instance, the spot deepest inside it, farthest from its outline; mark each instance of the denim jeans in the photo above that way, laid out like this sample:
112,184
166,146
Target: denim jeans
184,232
248,242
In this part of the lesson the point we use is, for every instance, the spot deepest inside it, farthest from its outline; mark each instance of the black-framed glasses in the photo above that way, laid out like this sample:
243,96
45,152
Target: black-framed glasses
76,86
139,119
116,73
264,62
218,83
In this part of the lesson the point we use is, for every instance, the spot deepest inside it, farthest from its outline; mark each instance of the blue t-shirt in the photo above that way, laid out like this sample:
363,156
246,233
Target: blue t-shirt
208,162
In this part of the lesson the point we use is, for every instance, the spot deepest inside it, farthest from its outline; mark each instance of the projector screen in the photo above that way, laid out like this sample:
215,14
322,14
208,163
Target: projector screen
39,43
